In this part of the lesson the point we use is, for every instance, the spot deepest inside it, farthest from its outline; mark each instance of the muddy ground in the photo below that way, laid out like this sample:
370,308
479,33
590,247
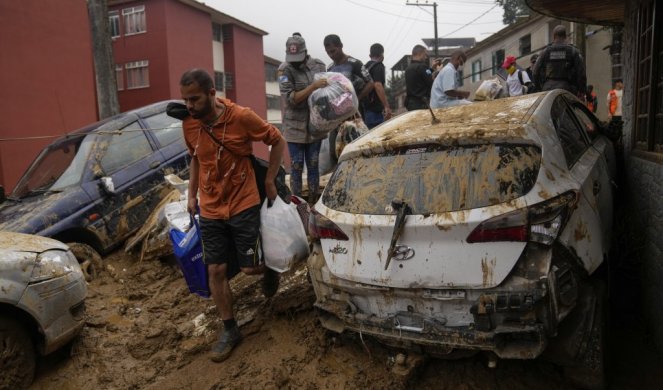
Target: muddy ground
145,331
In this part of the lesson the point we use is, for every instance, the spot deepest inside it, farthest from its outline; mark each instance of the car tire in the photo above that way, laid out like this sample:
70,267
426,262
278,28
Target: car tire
88,258
17,355
589,369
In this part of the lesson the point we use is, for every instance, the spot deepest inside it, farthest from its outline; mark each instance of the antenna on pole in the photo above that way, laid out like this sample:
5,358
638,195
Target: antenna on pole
434,5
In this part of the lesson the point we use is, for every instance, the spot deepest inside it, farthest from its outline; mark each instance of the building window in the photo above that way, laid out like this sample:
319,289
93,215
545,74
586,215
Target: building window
461,77
271,72
217,34
229,80
476,71
273,102
227,33
219,81
137,74
119,77
114,23
134,20
525,45
648,131
498,59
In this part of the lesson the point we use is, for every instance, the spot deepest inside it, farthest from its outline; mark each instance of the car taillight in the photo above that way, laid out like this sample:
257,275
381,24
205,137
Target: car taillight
320,226
540,223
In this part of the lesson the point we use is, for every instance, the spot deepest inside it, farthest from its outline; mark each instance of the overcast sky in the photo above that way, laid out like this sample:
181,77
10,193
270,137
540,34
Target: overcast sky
360,23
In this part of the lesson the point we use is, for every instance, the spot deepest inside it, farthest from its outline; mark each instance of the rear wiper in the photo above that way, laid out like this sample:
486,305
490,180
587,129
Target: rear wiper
17,200
403,210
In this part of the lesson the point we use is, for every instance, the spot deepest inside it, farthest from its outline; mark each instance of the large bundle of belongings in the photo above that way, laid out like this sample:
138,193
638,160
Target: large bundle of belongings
332,105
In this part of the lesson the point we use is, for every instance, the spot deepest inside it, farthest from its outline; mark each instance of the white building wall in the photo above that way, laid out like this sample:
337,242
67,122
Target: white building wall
273,116
597,55
218,61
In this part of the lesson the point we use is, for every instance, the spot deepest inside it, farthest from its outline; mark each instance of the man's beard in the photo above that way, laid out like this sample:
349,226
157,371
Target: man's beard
207,109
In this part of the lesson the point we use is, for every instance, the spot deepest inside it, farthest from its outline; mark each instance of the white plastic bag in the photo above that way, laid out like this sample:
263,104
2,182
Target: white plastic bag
488,90
332,105
282,234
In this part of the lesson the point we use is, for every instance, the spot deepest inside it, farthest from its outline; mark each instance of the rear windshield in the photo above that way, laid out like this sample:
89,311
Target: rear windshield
433,179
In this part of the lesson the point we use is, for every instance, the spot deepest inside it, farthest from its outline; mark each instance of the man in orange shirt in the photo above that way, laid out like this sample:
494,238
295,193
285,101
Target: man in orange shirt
221,173
615,101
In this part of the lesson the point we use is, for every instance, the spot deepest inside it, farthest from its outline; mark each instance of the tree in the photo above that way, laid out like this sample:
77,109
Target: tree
513,9
102,53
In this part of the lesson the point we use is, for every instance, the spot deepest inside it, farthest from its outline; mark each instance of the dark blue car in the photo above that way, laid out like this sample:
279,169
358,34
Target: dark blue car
96,186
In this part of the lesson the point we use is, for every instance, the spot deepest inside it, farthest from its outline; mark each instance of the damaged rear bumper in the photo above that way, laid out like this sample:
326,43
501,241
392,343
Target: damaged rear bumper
513,320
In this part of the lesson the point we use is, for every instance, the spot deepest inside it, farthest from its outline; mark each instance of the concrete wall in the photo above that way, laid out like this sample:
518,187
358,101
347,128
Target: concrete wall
645,191
47,78
598,63
246,59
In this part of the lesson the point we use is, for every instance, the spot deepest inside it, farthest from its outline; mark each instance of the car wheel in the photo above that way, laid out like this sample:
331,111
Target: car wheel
88,258
589,369
17,355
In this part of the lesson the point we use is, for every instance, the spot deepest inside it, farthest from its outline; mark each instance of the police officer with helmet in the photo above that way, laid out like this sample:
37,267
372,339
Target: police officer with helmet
561,65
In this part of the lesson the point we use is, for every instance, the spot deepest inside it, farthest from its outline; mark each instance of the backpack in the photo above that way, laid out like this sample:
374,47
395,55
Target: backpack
520,78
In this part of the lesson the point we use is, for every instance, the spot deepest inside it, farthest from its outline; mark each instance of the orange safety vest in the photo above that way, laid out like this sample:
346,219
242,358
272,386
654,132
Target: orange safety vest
590,101
612,106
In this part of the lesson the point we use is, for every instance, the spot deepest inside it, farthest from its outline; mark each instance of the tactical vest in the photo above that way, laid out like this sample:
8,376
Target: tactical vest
558,60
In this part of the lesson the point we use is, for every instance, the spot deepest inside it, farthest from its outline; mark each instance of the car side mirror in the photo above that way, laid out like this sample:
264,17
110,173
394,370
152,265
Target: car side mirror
108,185
3,197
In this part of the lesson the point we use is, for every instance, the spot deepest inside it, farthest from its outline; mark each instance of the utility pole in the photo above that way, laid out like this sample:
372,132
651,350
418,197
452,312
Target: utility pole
434,5
102,53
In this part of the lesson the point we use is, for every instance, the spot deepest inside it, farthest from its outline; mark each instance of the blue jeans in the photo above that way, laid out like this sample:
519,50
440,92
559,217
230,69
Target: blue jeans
372,118
300,153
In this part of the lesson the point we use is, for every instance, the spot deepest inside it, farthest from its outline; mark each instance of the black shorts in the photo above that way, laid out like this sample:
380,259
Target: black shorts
235,241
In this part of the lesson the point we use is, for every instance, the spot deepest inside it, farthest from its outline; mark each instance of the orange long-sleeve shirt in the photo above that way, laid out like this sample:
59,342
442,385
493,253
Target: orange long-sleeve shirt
226,181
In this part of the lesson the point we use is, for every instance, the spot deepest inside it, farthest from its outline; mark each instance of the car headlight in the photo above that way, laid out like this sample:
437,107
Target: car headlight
54,264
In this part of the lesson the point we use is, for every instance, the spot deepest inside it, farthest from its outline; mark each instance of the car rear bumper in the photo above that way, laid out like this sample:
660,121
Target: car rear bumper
58,306
513,320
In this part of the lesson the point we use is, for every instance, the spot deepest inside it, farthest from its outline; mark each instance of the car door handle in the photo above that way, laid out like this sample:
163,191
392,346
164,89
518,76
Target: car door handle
597,187
155,164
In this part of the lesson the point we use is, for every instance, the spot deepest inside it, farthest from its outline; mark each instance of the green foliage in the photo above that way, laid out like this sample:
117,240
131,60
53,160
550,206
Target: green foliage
513,9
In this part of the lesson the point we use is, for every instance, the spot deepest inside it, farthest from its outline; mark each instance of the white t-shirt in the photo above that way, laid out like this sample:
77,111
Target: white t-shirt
446,80
618,110
513,82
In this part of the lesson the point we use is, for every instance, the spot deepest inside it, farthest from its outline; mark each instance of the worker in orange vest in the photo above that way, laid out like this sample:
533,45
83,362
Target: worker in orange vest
615,101
592,100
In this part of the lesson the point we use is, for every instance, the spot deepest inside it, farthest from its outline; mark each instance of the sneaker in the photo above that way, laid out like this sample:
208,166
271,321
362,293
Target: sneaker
270,282
227,342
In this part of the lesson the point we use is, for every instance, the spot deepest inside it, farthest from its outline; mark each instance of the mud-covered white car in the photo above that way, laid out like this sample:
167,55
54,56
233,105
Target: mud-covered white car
479,230
42,303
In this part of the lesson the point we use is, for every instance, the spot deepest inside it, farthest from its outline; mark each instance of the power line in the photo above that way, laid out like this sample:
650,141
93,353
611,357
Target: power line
410,18
471,21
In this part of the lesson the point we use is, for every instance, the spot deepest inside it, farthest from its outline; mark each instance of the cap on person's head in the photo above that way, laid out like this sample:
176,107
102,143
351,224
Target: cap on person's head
295,49
510,60
533,58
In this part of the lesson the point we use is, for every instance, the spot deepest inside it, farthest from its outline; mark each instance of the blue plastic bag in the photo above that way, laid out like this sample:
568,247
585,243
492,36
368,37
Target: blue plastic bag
188,250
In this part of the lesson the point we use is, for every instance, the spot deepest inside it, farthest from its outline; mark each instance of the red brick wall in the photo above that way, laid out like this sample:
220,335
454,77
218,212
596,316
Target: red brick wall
47,77
177,38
